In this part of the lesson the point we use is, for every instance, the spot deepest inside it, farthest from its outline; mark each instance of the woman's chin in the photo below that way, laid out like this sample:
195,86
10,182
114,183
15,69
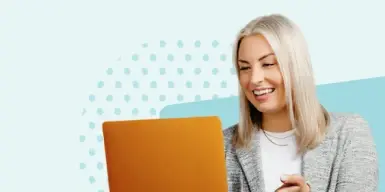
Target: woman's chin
268,108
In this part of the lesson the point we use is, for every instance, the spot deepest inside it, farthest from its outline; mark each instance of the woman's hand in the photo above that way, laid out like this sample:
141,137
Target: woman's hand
293,183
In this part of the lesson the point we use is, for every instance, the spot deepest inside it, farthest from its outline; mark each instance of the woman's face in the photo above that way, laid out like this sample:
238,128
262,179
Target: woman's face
260,76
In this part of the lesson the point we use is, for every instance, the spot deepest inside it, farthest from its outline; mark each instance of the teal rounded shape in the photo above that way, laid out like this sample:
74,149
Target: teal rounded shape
356,96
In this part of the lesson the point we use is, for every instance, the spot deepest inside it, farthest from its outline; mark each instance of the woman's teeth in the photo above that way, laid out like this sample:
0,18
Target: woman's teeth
263,91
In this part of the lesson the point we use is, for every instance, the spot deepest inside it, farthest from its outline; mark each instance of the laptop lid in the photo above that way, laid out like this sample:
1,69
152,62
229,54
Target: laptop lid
177,154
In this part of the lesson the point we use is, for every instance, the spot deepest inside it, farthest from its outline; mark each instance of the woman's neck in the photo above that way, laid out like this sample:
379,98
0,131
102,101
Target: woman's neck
277,122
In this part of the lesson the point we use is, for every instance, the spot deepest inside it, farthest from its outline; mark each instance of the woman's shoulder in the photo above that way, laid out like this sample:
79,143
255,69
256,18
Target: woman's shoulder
229,131
347,123
228,134
350,129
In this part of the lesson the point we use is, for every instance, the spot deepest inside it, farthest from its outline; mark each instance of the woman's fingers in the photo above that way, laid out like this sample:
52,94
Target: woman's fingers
294,180
293,183
290,189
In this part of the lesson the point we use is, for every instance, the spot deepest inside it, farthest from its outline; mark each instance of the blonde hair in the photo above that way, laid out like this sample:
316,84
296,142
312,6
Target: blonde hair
307,115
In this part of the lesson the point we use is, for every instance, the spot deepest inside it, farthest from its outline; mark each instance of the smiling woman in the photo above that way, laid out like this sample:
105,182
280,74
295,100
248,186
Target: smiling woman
285,139
259,74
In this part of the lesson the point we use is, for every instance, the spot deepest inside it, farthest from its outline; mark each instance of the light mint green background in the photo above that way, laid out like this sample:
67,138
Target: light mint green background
53,53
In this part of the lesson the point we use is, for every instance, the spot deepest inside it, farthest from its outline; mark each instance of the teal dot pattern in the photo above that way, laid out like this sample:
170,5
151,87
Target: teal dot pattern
139,84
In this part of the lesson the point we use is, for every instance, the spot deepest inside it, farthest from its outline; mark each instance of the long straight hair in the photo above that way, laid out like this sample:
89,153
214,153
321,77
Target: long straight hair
307,115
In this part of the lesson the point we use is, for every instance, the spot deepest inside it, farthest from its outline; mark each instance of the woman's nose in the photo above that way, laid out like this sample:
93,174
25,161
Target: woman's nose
257,75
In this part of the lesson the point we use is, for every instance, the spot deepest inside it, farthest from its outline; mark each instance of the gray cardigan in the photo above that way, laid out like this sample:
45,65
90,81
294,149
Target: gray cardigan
345,161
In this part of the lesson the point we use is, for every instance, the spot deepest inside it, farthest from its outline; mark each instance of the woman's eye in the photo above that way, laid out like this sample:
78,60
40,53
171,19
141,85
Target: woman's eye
244,68
267,65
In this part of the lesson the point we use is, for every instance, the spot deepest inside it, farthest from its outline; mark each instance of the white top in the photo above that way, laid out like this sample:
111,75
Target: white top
278,160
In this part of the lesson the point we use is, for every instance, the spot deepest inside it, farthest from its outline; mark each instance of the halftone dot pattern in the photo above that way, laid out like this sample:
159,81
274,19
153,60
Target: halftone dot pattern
82,138
109,71
170,57
99,138
152,57
197,44
223,57
91,98
153,84
82,165
215,71
135,84
118,84
109,98
189,84
139,84
100,84
145,71
91,125
135,57
188,57
180,44
206,57
100,165
162,71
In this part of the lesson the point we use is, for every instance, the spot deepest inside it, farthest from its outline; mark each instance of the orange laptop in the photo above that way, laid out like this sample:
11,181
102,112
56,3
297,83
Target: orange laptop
170,155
